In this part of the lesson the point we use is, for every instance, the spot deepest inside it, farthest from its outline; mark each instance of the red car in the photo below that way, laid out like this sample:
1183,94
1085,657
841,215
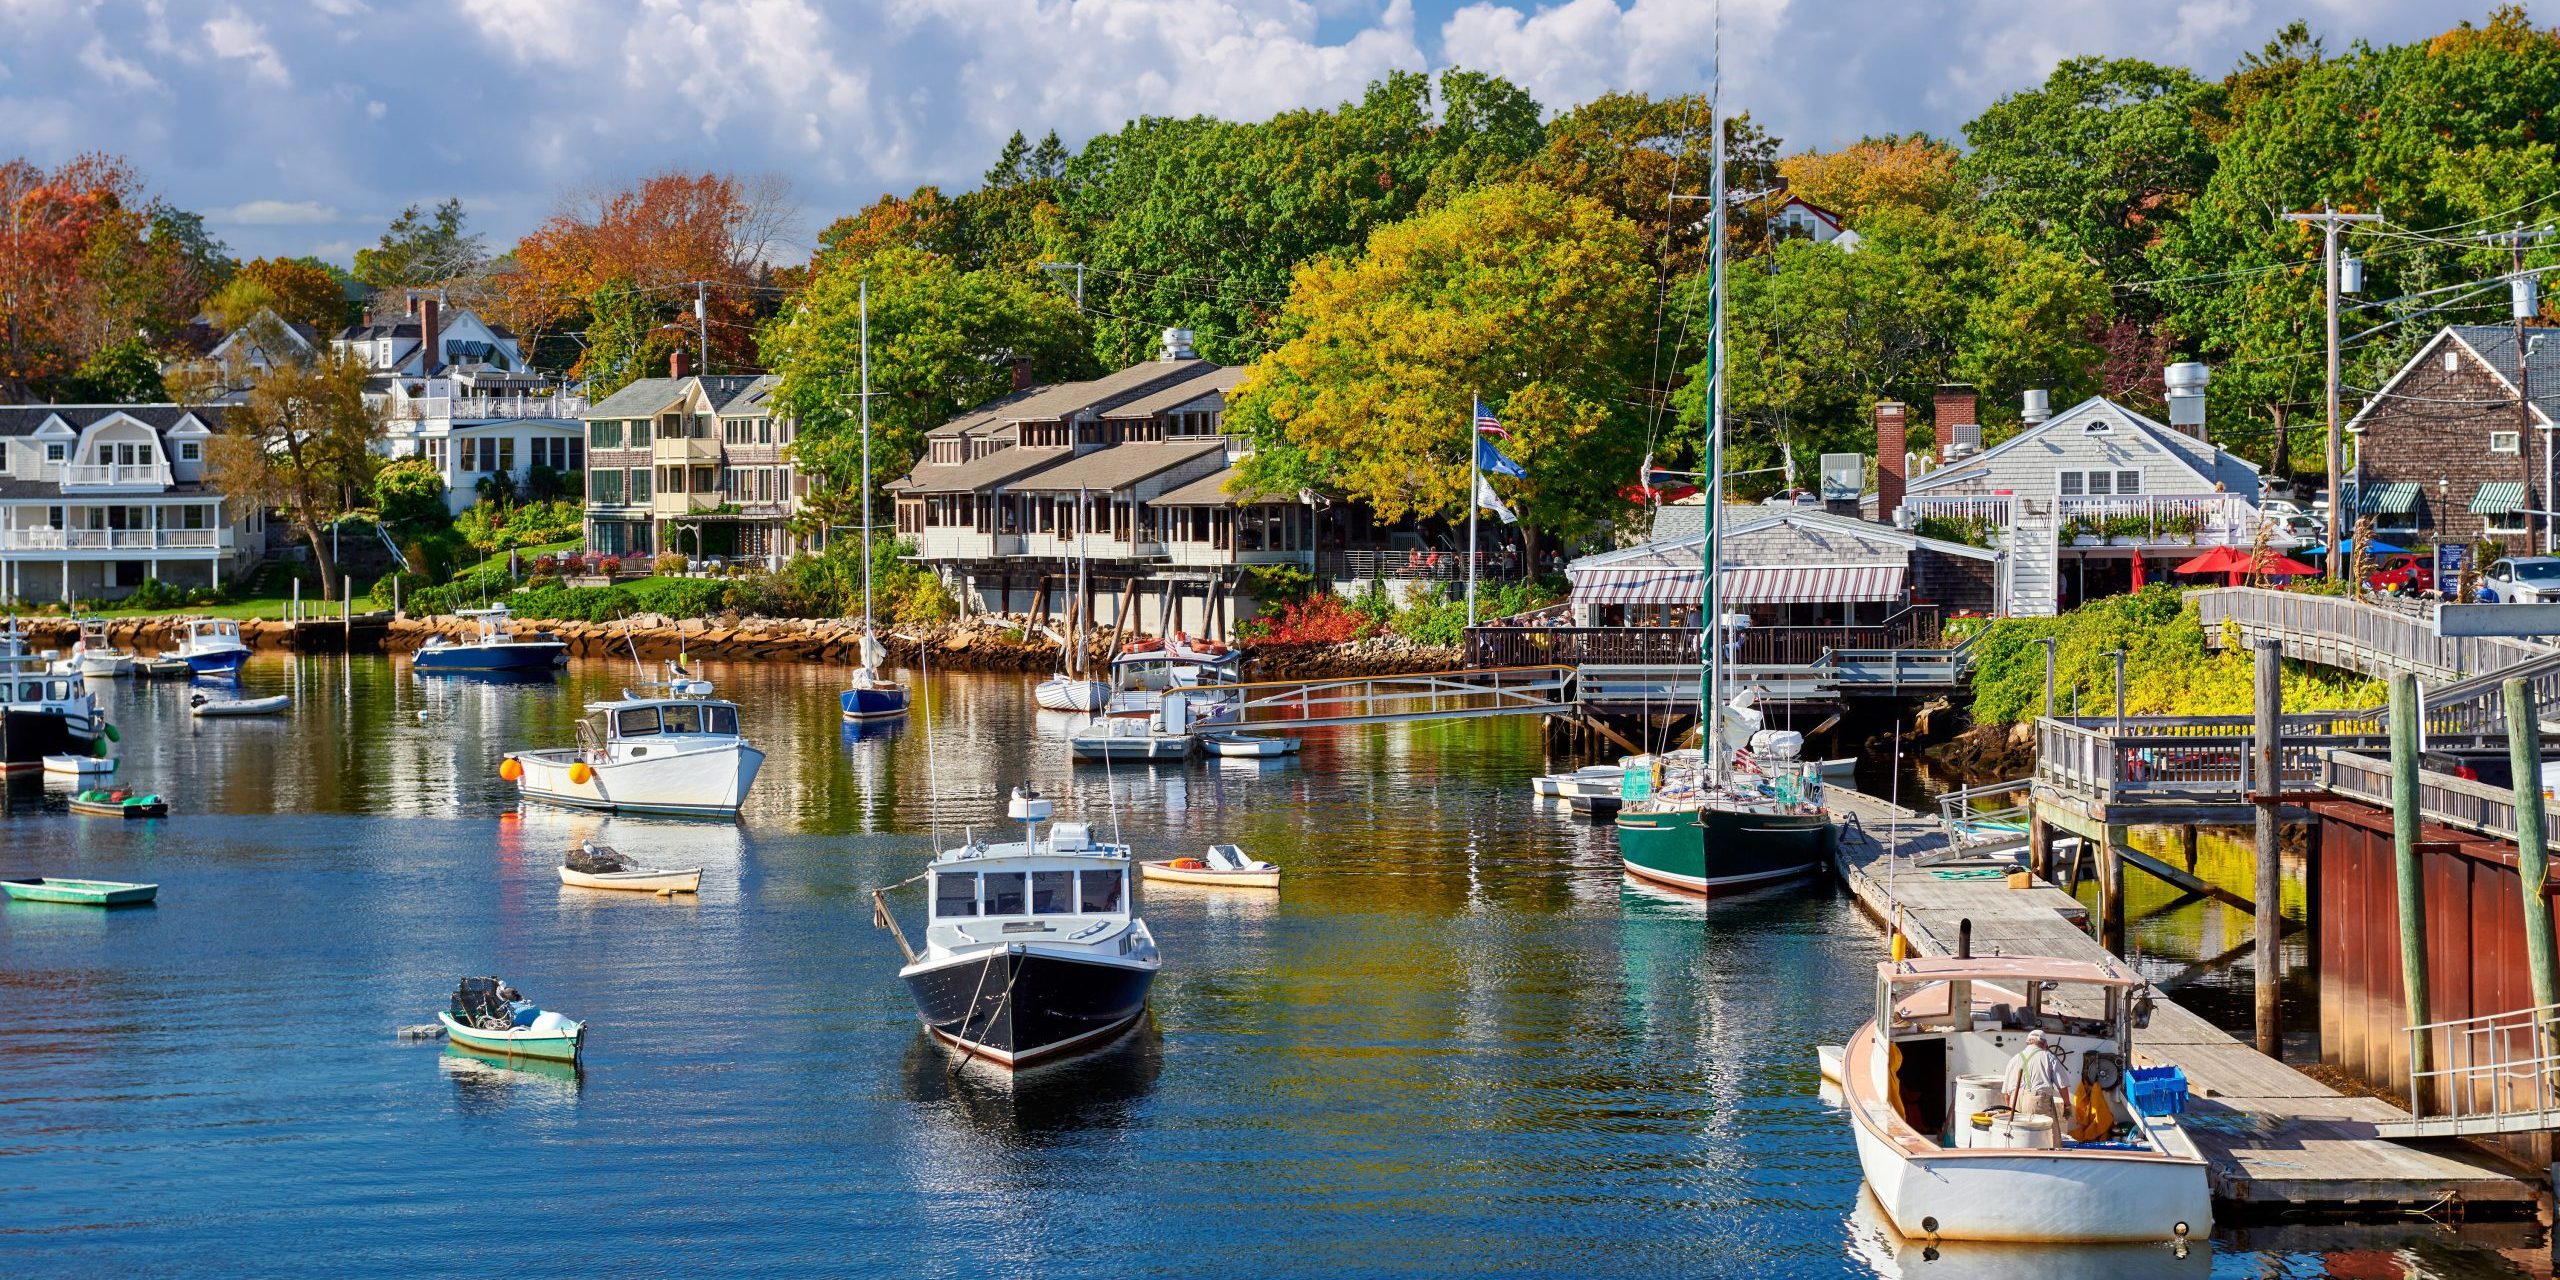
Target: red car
2402,575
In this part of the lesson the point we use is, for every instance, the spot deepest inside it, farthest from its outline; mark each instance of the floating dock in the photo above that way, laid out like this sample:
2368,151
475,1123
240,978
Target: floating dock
2279,1142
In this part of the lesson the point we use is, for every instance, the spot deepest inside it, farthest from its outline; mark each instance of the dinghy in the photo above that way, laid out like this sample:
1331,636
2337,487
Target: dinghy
1225,866
117,802
204,706
80,893
488,1015
161,668
1245,746
602,867
71,766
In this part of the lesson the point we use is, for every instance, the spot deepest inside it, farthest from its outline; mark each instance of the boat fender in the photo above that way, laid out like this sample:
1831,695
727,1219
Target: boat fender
112,736
510,769
580,773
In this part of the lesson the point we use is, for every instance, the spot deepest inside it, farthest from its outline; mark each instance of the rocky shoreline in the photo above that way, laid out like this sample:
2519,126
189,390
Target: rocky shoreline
978,644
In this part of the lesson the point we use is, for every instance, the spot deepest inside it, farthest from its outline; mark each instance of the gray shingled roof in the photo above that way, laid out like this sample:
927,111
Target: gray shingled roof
993,411
1216,382
2496,344
1121,465
730,393
638,400
23,419
979,473
1211,491
1105,393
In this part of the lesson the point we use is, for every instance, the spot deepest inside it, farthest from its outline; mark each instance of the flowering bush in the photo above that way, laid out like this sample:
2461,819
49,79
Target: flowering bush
546,564
667,563
1322,618
609,566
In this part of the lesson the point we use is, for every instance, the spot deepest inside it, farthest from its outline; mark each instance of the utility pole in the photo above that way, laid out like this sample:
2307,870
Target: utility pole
2330,220
1076,267
2524,304
702,322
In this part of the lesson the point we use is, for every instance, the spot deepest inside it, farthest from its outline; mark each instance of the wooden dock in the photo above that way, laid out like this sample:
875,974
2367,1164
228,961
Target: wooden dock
2278,1141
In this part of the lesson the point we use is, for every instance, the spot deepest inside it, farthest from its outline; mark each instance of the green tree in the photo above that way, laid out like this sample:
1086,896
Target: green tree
1632,152
422,248
2097,160
1535,300
942,340
409,495
126,373
300,443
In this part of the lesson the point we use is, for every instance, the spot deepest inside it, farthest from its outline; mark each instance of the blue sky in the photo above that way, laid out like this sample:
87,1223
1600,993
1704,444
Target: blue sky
302,126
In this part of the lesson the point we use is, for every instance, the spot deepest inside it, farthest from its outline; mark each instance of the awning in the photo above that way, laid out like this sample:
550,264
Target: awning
1818,584
2498,497
2396,498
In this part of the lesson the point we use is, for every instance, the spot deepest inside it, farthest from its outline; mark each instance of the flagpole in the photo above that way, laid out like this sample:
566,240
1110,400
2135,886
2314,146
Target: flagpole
1475,481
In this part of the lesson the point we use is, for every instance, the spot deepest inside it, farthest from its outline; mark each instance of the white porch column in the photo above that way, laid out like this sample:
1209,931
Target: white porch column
66,582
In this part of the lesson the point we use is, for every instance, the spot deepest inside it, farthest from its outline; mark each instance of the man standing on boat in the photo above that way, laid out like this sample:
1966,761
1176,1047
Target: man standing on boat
2036,1084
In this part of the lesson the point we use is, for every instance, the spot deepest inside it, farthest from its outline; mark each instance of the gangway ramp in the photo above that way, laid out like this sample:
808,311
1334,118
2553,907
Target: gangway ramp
1270,705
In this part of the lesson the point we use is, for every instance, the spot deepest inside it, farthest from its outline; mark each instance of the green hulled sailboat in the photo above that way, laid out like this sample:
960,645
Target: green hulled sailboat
1703,821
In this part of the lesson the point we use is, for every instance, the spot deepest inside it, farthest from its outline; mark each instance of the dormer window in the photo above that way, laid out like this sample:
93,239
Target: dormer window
190,451
57,452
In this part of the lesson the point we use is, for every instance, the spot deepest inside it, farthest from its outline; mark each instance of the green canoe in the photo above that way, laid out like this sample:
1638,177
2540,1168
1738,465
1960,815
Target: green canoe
87,893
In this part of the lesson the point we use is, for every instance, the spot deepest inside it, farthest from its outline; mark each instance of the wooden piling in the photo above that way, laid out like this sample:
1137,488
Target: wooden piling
2039,844
2533,860
2409,881
2267,779
2111,890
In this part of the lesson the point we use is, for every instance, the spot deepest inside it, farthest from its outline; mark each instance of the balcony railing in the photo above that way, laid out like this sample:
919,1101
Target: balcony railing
469,408
677,504
2154,519
109,475
1991,508
113,539
685,450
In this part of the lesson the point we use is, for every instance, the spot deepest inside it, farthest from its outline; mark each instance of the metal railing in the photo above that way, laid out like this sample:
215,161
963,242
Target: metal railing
1421,566
469,408
1994,508
2497,1073
1916,627
1992,813
1436,695
2171,518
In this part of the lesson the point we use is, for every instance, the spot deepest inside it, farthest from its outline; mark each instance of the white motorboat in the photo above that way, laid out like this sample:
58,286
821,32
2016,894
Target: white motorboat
1248,746
70,766
1552,786
491,648
645,755
1224,866
1034,948
212,646
267,706
98,655
1947,1160
601,867
1130,737
43,711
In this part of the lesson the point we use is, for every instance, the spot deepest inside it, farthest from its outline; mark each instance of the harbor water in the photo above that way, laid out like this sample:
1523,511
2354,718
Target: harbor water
1458,1043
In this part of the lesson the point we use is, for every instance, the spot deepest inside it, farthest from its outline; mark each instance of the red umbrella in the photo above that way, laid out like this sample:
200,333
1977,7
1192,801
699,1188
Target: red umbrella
2275,565
2219,560
2138,582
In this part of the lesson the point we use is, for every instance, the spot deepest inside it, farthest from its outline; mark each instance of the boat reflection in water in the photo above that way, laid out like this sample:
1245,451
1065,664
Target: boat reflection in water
1874,1242
1071,1099
493,1082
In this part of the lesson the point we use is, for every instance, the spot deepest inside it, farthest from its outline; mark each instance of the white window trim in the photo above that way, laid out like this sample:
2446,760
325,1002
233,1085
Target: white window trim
2115,477
2490,523
2506,442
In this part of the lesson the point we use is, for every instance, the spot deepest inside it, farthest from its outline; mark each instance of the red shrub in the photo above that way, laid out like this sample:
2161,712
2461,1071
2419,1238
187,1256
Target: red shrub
1318,619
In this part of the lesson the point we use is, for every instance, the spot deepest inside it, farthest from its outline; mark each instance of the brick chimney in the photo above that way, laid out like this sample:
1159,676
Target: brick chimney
679,365
1959,419
430,355
1022,375
1891,441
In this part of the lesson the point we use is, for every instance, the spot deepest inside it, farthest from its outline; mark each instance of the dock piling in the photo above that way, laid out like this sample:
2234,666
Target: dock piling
2267,778
2533,858
2410,883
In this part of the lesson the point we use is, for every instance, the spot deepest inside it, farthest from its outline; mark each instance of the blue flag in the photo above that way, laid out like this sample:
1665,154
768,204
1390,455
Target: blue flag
1490,459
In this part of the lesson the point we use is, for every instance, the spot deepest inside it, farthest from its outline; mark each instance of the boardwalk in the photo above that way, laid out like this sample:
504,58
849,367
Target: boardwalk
2278,1141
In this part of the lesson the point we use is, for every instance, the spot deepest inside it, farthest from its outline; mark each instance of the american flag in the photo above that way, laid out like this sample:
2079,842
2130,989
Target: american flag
1488,425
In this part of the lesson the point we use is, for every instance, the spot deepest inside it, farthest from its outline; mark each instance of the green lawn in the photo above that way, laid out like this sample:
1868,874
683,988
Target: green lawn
525,555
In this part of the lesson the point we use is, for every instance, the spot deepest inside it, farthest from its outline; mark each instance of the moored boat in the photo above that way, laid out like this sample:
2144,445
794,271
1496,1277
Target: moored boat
600,867
1552,786
1248,746
1139,735
1950,1154
1063,692
162,667
645,755
82,893
491,648
1224,866
98,655
202,706
118,802
45,707
869,697
71,766
1034,949
488,1015
212,646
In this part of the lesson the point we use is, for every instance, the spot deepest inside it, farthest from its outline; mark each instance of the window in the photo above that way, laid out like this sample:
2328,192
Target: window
2498,522
2099,484
1003,893
639,722
639,484
2452,360
1053,893
56,452
2504,441
506,453
2100,427
720,720
604,487
685,719
193,516
577,454
764,431
607,433
955,895
1099,892
190,451
639,433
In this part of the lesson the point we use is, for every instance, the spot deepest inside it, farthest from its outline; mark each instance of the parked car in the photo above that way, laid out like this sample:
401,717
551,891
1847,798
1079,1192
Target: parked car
2404,574
2296,528
2522,580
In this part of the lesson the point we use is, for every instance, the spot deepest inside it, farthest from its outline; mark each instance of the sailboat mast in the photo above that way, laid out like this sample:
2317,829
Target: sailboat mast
1084,625
1711,551
864,296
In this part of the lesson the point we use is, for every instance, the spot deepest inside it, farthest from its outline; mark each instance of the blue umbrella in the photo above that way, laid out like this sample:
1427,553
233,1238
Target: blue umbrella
2376,548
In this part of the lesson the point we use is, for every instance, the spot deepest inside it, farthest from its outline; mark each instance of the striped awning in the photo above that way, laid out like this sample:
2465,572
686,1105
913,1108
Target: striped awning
1790,584
2498,497
2396,498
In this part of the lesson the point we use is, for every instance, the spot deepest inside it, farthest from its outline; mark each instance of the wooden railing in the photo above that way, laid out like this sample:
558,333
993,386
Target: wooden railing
2377,640
1916,627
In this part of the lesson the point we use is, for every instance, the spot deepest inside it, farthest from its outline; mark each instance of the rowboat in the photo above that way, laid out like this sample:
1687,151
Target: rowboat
83,893
204,706
98,802
1225,867
599,867
162,667
1250,746
494,1019
74,766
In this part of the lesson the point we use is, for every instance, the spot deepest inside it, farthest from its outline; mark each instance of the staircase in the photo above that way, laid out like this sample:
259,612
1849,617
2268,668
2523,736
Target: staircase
2034,560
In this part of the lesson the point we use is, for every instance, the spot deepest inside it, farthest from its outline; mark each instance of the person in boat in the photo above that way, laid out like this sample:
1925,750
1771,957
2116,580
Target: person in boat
2037,1085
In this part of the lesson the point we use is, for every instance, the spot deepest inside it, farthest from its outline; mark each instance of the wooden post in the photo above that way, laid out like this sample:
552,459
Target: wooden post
2268,781
2187,845
2404,856
2111,889
2039,844
2533,859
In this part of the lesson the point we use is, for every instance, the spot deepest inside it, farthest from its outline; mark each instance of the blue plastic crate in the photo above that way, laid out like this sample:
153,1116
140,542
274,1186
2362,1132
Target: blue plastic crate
2157,1091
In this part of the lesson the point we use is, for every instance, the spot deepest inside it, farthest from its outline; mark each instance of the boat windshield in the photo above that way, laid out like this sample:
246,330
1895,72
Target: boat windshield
1003,893
687,719
635,722
954,894
1053,893
1100,891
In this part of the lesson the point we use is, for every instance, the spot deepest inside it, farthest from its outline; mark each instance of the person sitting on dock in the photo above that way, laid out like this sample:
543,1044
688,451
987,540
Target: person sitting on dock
2036,1084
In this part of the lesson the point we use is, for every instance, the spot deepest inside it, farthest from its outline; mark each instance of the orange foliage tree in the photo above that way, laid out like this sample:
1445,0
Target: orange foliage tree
1913,171
624,265
87,259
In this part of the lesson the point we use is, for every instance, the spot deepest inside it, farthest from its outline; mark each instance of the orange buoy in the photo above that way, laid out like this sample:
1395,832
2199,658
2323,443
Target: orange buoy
579,773
510,769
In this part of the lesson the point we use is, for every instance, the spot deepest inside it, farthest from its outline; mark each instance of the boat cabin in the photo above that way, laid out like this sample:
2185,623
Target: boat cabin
1955,1021
1066,887
203,633
637,728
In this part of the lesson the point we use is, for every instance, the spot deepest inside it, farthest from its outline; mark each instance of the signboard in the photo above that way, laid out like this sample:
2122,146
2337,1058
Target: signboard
2451,560
2498,620
1844,476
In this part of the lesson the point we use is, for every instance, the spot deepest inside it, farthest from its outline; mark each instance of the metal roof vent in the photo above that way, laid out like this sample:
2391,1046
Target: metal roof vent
2038,408
1177,345
2186,381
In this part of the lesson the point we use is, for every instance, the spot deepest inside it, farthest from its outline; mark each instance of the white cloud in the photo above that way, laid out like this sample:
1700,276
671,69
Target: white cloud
117,72
236,36
277,213
376,109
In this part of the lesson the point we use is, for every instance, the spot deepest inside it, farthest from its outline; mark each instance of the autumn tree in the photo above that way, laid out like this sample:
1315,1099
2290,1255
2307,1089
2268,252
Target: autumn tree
1901,171
1535,300
1633,153
90,261
633,261
297,290
422,248
942,341
300,442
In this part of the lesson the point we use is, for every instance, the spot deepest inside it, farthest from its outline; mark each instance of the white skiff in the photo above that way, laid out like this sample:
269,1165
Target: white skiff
204,706
642,880
74,766
1225,867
